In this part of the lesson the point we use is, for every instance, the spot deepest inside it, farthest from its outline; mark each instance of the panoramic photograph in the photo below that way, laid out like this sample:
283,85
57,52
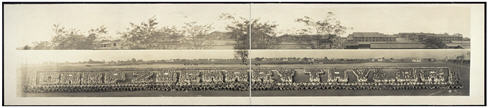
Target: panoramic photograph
242,51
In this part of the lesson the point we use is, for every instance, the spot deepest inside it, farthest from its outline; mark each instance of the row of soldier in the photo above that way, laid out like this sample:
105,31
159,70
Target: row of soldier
232,87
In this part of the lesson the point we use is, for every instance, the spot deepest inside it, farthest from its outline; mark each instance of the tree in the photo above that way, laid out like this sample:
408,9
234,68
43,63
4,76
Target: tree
147,35
198,35
26,47
95,35
326,30
262,35
91,61
168,38
61,35
74,41
139,35
43,45
240,33
98,33
71,39
433,42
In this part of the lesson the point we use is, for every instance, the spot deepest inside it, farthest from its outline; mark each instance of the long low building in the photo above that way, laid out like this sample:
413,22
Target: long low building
459,44
388,45
375,40
397,46
371,37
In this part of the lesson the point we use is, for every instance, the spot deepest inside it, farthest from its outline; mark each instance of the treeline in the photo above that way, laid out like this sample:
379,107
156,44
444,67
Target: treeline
70,39
148,35
192,35
145,35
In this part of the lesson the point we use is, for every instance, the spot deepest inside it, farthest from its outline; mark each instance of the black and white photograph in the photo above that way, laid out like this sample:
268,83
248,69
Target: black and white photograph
244,53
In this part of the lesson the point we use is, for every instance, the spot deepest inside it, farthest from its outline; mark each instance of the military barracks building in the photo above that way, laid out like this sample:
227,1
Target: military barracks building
375,40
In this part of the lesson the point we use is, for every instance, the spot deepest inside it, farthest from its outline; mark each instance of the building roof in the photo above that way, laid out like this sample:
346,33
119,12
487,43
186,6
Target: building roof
414,33
369,34
461,42
397,46
466,46
433,34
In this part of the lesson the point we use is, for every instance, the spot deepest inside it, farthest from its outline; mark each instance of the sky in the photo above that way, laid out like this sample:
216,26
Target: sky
29,23
384,18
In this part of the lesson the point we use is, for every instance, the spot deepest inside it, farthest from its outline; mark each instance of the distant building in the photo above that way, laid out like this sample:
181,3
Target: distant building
108,45
309,42
223,44
415,45
414,36
421,36
378,59
459,44
371,37
430,59
364,40
217,35
447,37
375,40
417,60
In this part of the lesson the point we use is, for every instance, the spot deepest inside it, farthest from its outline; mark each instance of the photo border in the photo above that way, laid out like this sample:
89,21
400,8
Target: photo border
253,2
